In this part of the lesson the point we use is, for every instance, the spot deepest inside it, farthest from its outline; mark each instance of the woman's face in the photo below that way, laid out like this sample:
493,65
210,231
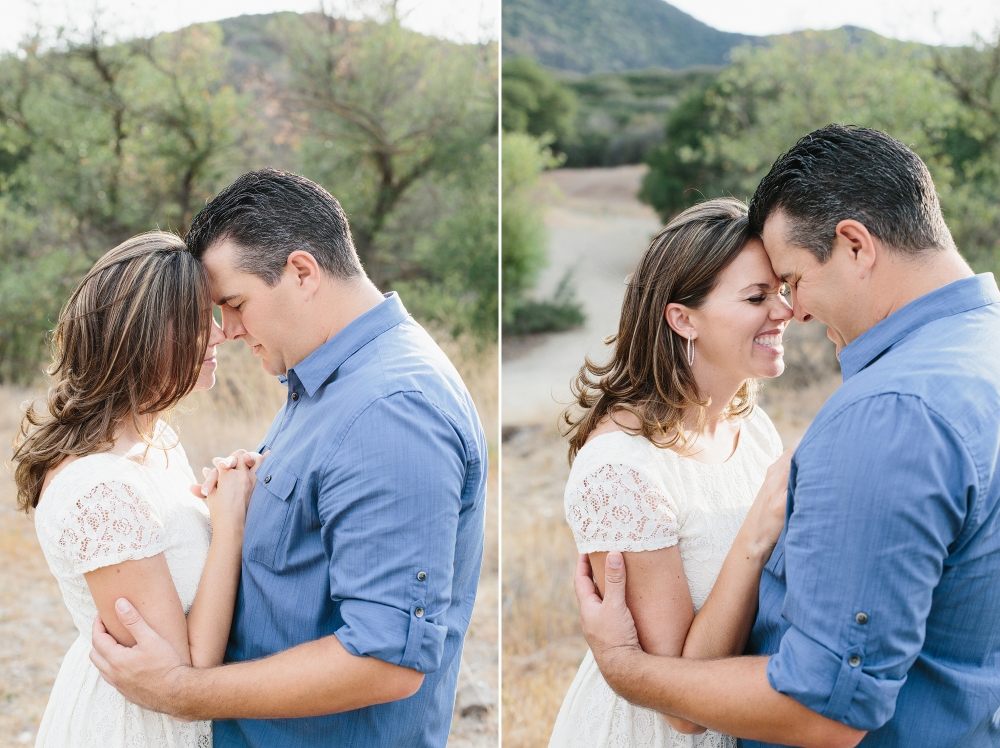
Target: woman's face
206,379
739,326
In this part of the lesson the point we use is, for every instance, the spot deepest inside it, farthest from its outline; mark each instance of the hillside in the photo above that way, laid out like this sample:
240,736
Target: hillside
587,36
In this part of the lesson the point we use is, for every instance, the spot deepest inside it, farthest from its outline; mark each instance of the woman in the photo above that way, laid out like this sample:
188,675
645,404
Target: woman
108,482
668,452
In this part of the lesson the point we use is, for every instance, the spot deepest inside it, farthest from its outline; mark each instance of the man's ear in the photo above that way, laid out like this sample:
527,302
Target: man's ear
305,270
678,317
854,237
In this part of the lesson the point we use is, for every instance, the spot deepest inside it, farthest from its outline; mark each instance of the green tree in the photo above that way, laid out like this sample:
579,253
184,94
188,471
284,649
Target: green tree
102,141
536,103
971,147
383,112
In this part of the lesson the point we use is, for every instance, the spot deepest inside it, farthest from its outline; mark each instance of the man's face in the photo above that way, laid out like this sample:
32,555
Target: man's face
252,311
818,289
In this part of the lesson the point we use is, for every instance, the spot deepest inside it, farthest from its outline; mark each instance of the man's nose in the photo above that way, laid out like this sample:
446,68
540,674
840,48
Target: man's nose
231,324
798,312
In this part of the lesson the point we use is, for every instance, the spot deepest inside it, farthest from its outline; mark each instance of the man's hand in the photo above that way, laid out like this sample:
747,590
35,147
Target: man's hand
148,674
607,625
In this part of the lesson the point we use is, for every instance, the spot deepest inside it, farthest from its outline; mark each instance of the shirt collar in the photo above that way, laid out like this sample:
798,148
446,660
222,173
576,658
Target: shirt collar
317,367
957,297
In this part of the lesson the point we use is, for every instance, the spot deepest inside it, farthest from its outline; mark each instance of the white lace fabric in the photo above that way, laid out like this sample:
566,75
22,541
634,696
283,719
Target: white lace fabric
101,510
625,494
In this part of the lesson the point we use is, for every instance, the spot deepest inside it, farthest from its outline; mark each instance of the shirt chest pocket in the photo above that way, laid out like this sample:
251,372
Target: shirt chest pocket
269,513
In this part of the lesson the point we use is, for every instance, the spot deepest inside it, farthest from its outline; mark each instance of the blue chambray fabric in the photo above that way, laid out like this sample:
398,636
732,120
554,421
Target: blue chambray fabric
880,606
366,523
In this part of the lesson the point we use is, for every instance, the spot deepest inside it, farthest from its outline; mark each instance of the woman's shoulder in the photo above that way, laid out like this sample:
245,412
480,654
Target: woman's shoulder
83,475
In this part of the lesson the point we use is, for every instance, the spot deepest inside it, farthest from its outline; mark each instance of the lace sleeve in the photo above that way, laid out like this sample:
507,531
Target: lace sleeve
619,507
109,523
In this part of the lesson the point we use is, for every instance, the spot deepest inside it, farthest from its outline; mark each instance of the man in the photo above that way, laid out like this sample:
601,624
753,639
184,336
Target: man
364,534
878,618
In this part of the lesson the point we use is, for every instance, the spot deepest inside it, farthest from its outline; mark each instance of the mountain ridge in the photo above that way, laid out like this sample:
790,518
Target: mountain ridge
590,36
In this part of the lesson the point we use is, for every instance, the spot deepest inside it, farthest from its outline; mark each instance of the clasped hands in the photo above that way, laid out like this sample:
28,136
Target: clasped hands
251,459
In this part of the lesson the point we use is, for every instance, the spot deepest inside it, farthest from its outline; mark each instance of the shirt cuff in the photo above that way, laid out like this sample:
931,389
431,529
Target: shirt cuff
404,638
832,684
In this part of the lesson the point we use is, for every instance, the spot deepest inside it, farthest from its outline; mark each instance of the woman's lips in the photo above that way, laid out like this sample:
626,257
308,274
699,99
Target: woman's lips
770,341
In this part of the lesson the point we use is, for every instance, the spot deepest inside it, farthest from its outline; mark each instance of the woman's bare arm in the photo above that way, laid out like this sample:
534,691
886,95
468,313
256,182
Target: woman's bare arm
201,638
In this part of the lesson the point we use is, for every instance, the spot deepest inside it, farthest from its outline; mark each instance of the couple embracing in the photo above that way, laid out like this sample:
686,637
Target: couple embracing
333,567
845,592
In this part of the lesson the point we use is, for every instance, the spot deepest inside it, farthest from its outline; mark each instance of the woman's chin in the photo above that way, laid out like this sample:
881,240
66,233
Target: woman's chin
770,370
204,384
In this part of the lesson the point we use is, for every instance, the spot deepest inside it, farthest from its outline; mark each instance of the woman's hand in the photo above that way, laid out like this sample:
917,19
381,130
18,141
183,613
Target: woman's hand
766,517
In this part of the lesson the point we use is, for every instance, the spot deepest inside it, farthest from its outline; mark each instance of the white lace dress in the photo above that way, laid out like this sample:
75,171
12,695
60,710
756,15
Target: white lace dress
625,494
100,510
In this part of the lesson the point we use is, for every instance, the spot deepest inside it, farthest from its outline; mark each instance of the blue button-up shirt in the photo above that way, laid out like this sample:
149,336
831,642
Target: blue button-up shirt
880,606
366,523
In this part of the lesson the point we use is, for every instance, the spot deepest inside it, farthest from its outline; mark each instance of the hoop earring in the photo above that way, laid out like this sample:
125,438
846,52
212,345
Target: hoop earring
690,351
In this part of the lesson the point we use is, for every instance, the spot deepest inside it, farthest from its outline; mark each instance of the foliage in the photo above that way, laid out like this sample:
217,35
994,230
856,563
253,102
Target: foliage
621,115
534,102
945,104
524,158
587,36
561,312
385,111
100,141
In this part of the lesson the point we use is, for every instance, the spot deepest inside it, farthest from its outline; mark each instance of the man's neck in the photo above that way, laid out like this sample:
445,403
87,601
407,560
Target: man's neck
903,280
336,305
345,301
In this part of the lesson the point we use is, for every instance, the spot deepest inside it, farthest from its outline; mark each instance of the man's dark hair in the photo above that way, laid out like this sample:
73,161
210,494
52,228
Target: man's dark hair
845,172
270,214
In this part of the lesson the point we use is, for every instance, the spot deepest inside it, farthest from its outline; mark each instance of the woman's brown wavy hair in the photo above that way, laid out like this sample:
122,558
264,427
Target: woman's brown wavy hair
648,374
130,342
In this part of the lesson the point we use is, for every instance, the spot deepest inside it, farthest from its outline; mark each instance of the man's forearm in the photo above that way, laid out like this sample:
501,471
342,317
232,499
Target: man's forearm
731,696
315,678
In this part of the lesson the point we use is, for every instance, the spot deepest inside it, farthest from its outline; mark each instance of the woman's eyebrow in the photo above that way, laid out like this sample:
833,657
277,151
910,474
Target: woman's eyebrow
224,299
752,286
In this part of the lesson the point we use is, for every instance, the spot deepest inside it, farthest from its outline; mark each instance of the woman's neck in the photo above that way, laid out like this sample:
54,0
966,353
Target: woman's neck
718,391
127,435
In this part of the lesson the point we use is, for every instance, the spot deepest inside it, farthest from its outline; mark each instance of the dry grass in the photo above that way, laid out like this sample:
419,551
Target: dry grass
35,628
542,642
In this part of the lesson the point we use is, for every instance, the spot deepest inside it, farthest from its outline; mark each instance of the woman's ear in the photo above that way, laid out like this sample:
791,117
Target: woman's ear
678,317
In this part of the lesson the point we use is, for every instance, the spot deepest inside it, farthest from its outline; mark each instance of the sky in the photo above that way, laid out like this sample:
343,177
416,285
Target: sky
950,22
459,20
929,21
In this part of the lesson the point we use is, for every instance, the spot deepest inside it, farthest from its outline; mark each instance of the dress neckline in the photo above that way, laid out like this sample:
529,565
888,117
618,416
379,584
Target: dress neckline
159,431
738,451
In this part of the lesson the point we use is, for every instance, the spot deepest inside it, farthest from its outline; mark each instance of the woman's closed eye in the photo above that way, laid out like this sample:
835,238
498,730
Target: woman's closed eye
783,290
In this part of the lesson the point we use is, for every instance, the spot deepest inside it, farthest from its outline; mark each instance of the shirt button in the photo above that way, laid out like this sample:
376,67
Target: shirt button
419,612
861,618
295,396
267,479
421,576
854,661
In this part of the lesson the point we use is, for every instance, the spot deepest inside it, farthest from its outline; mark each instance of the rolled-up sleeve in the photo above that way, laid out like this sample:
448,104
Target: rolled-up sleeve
879,494
389,508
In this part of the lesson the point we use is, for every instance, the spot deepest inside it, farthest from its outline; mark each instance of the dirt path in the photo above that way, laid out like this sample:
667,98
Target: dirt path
598,229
